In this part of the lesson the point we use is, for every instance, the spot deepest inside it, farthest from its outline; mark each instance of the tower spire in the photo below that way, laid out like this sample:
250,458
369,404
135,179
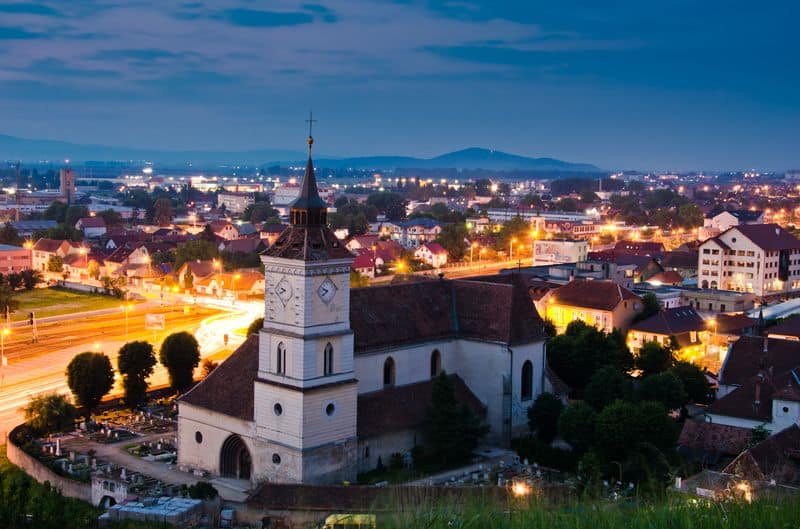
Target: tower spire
310,140
309,209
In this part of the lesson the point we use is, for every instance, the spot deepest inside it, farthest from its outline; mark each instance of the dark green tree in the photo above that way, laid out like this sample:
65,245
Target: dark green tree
8,300
89,377
607,385
74,214
393,205
577,426
50,413
31,278
163,212
259,212
197,250
8,235
650,306
255,326
453,239
135,362
618,426
664,388
543,416
654,358
180,354
56,211
452,431
698,388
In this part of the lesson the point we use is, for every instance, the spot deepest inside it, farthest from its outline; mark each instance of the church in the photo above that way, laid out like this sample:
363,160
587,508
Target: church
338,379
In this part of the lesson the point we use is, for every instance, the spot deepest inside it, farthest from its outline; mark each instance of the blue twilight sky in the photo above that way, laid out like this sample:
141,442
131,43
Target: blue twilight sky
712,84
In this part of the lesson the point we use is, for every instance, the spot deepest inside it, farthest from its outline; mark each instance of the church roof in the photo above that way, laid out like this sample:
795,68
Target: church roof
221,391
404,407
496,309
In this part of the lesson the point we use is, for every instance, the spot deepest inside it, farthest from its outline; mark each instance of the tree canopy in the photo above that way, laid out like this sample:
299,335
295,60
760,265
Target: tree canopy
180,354
543,416
50,413
135,362
89,377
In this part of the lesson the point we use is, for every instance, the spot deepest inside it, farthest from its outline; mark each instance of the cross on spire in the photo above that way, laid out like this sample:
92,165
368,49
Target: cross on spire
310,122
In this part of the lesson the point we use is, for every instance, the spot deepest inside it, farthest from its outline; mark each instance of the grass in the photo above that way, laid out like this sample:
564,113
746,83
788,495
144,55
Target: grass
675,512
55,301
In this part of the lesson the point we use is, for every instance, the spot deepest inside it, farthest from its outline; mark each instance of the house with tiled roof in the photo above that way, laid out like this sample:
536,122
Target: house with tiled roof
231,284
775,459
760,258
788,329
338,379
719,220
412,233
91,227
601,303
196,269
242,245
432,253
643,248
44,249
680,325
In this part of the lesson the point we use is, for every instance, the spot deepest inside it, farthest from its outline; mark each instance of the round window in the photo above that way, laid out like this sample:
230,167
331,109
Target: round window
329,409
785,409
278,409
198,437
276,459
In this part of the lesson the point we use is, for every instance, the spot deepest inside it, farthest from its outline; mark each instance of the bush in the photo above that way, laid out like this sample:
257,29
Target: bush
543,416
537,451
50,413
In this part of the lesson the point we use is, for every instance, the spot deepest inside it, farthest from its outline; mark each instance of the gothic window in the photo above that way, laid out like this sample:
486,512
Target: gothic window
328,360
436,363
388,372
281,360
527,381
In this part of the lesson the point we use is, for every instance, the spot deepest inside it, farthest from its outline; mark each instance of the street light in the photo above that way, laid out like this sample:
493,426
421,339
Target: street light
126,309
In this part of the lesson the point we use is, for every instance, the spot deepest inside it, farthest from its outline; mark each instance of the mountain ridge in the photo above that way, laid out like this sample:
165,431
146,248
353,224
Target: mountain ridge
31,150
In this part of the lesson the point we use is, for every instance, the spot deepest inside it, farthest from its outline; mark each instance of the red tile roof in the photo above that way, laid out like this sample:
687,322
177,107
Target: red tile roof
734,323
747,357
776,457
670,277
92,222
595,294
672,321
47,245
435,248
768,237
404,407
714,437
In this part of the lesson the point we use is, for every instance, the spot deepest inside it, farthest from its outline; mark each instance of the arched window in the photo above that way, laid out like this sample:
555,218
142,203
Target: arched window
388,372
704,284
527,381
328,359
436,363
713,285
280,368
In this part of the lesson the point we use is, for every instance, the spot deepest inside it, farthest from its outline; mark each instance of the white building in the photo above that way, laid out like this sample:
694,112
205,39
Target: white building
715,224
760,258
337,380
432,253
235,202
547,252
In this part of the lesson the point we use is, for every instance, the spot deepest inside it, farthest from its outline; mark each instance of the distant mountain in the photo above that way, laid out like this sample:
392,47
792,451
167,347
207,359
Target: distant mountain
28,150
472,158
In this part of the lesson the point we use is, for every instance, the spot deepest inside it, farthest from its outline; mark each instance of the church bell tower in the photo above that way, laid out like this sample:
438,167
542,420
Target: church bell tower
305,391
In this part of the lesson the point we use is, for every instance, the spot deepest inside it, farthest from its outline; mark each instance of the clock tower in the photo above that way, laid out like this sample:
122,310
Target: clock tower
305,391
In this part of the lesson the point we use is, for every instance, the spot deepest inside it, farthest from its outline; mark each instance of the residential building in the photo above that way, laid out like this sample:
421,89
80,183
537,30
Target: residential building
546,251
235,202
44,249
788,329
681,325
645,248
601,303
719,221
707,300
418,231
760,258
197,270
91,227
432,254
14,258
231,284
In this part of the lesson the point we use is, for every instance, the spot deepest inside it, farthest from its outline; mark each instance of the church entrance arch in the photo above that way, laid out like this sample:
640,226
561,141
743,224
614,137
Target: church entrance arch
235,461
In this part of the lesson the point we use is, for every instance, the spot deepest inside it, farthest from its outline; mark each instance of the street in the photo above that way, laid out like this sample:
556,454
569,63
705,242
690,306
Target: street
35,368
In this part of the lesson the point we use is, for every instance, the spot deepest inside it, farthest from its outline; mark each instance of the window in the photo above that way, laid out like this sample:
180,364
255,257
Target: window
388,372
281,360
436,363
527,381
278,409
329,409
328,359
276,459
198,437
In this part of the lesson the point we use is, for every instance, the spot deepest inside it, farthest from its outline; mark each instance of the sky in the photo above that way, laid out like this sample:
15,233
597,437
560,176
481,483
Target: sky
676,84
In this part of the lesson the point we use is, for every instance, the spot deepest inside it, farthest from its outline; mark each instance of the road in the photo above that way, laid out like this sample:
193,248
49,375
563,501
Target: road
35,368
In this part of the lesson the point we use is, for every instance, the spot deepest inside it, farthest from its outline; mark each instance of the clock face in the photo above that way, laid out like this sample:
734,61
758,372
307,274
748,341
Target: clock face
284,290
327,289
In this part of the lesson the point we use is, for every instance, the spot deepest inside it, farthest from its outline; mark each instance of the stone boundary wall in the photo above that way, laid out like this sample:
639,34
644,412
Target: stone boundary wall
41,473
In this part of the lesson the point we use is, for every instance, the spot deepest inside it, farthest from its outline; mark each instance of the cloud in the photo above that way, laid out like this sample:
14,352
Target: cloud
12,33
26,8
253,18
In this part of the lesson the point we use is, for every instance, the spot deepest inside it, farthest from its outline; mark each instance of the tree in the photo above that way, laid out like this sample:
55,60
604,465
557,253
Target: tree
8,235
390,204
89,377
163,212
55,264
650,306
259,212
654,358
111,217
577,426
197,250
453,239
180,354
543,416
93,269
698,389
452,431
690,215
50,413
665,388
588,196
56,211
31,278
8,301
618,426
255,326
14,280
74,214
582,350
607,385
135,362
